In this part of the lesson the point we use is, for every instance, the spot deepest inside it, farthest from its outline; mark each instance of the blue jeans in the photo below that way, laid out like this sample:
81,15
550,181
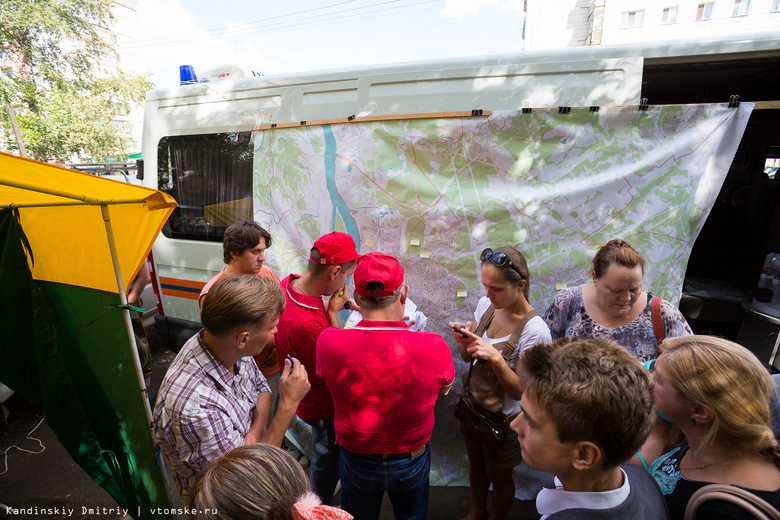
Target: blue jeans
324,470
364,482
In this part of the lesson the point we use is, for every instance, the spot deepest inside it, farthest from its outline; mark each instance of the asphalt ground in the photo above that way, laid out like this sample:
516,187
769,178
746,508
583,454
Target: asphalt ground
45,477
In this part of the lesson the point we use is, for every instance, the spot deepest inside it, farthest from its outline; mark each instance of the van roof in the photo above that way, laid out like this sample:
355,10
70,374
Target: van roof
677,51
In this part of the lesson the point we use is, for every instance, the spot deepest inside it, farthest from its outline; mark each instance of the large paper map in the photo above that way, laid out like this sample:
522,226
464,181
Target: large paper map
436,192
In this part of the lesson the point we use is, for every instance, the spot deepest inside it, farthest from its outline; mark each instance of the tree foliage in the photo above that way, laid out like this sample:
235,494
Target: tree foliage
63,105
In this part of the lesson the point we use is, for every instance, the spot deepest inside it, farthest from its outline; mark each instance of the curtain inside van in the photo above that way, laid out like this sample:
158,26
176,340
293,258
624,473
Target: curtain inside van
210,176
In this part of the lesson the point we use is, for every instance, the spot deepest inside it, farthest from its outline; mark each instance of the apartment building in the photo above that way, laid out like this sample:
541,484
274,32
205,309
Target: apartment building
553,24
120,33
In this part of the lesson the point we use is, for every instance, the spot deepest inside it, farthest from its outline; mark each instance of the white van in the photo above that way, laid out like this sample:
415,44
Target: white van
198,138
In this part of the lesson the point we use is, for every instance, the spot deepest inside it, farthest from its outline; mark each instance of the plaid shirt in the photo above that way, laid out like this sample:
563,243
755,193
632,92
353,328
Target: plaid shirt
203,410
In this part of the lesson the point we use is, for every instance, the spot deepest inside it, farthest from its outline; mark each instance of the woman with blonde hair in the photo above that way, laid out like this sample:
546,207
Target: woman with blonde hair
718,393
261,482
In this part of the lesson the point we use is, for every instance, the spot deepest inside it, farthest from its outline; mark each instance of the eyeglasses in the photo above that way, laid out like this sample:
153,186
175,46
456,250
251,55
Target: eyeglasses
499,260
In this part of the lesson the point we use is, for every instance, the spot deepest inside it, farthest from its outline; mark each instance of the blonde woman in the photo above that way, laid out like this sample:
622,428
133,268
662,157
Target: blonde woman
261,482
718,393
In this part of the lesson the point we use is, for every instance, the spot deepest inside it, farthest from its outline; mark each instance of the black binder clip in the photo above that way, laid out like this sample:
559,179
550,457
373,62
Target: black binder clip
303,123
350,118
476,112
273,125
594,107
526,109
733,101
643,104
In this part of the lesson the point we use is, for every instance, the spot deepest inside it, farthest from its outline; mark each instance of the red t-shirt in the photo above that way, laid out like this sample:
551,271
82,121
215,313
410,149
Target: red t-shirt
265,359
384,379
302,321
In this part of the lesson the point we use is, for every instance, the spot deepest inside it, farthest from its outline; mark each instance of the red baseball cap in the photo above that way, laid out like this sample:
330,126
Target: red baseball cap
378,267
335,248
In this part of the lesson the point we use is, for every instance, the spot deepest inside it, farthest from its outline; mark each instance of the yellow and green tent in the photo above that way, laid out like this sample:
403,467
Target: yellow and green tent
70,245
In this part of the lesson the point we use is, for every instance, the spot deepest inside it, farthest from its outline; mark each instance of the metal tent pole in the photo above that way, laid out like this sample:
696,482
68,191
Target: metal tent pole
131,335
126,312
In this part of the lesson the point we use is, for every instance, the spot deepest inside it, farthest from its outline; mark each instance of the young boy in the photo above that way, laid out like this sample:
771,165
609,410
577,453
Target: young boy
586,409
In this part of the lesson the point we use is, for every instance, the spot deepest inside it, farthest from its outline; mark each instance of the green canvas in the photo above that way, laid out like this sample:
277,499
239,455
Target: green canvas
68,355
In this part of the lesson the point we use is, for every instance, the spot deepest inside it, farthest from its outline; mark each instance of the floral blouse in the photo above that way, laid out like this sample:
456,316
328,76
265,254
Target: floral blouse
566,317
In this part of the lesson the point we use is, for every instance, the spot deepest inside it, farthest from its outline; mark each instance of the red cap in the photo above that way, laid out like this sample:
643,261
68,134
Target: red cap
378,267
335,248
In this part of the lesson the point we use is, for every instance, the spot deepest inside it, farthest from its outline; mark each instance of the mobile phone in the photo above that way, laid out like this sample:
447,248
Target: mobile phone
458,330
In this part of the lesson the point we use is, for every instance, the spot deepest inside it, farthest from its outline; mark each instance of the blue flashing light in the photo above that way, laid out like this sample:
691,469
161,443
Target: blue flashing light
187,75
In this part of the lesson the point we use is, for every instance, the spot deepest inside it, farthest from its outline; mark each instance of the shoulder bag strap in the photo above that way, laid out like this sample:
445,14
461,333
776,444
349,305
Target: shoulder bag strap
484,322
658,324
511,343
756,506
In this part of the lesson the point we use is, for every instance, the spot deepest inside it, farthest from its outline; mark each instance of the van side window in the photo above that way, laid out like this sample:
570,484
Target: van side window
210,177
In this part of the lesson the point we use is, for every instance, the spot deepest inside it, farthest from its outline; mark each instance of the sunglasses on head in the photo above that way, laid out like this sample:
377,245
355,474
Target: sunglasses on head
499,259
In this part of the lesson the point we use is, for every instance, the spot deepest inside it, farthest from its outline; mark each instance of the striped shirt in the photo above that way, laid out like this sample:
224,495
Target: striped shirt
203,410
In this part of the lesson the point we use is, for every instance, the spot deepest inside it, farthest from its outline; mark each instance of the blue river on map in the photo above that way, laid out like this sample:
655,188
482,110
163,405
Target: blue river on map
330,176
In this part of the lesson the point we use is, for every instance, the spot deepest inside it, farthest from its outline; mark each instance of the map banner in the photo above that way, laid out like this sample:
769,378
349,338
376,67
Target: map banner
557,186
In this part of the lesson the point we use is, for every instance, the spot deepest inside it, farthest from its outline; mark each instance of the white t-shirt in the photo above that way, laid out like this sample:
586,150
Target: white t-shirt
535,331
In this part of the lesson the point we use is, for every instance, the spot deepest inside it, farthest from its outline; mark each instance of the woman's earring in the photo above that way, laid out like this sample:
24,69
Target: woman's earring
693,421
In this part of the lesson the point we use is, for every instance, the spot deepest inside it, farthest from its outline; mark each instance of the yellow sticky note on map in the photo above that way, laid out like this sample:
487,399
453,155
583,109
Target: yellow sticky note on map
425,253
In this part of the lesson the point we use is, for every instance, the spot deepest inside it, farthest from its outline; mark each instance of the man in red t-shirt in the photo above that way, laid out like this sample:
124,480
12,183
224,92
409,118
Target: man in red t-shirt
305,316
243,250
384,379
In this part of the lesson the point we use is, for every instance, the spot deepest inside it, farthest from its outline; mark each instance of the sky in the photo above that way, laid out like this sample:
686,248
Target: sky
278,37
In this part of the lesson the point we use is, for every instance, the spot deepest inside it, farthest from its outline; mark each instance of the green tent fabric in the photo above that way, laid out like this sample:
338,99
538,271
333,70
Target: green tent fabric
68,355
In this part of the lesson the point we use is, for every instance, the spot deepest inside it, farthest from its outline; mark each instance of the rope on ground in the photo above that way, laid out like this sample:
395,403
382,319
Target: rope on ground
16,447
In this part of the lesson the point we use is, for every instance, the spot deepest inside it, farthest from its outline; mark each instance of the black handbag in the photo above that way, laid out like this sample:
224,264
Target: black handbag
489,427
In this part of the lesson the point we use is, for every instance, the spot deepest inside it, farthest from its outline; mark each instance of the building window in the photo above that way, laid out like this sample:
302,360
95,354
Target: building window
740,8
670,15
704,12
632,19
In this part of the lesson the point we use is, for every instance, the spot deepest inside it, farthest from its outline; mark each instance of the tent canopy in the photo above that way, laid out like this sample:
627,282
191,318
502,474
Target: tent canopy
58,276
60,211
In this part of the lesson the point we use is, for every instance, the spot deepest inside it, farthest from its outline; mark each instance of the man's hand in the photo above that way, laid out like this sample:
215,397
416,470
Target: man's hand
293,386
294,383
338,302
